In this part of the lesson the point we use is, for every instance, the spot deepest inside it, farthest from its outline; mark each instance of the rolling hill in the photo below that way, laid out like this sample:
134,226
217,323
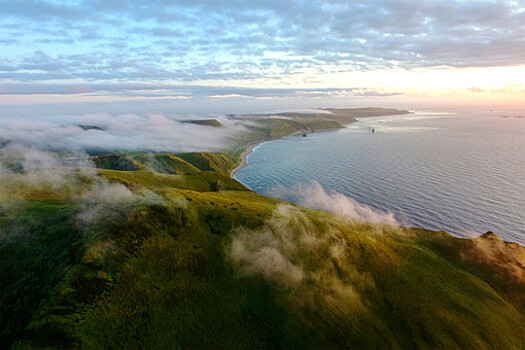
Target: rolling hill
143,259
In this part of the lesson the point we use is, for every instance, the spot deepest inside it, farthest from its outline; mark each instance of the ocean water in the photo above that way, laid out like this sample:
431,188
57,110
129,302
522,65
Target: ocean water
459,172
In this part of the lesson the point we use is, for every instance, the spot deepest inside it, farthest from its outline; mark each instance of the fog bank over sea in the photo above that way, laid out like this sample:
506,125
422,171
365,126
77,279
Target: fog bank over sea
462,172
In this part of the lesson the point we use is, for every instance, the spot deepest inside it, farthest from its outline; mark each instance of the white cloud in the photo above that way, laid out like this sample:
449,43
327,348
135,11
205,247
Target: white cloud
311,266
314,196
249,40
130,132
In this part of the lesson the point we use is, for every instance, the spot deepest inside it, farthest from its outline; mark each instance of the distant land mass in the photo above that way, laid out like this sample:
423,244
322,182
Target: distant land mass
167,250
208,122
341,115
90,127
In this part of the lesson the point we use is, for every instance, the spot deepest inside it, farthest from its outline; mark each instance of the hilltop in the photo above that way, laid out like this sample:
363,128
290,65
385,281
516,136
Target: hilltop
135,258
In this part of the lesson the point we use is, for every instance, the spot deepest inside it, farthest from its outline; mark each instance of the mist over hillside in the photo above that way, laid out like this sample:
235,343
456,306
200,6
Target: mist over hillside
159,133
149,250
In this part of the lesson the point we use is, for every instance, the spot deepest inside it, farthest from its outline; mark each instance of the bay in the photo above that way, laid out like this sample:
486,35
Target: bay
462,172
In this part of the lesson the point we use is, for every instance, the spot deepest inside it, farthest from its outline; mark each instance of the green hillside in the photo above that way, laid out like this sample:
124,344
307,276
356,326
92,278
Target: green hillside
165,163
206,161
116,162
203,181
338,115
140,259
276,128
263,127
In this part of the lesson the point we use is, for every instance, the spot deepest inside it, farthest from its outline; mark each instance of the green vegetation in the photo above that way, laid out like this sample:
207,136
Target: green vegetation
203,181
275,128
38,245
188,261
116,162
164,250
165,163
346,115
205,161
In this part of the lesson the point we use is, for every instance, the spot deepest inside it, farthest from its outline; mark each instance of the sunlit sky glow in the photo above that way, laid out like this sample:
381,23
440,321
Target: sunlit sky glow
227,54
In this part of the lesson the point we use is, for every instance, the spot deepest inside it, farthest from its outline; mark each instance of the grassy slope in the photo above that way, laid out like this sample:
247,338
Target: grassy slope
33,259
116,162
203,181
157,276
205,161
166,163
272,128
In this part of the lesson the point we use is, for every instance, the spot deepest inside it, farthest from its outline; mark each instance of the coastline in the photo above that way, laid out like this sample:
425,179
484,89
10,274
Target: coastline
248,149
264,172
250,146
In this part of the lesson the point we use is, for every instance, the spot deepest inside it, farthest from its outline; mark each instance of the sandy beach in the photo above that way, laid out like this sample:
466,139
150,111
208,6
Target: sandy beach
244,155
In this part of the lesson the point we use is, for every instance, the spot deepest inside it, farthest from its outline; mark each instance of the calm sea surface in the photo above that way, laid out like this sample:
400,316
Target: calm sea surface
459,172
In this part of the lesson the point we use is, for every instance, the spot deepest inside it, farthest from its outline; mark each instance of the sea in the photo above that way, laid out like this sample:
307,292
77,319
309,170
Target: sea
461,172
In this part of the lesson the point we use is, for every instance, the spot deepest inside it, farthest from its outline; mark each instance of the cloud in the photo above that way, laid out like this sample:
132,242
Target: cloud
476,89
207,40
179,91
28,167
309,265
374,93
230,96
314,196
28,173
104,202
509,88
24,169
130,132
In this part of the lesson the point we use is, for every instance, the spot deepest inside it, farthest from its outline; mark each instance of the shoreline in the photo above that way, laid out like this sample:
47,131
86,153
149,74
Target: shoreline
250,146
248,149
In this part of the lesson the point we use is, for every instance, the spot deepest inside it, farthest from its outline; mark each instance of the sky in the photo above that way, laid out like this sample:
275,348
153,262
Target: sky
206,56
